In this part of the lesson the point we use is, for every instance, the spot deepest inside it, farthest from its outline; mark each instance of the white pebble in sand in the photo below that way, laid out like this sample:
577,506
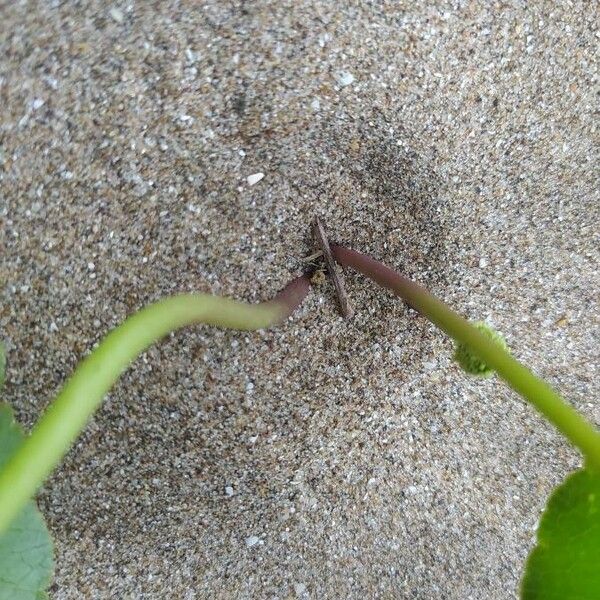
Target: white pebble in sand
116,14
344,78
299,588
252,541
255,178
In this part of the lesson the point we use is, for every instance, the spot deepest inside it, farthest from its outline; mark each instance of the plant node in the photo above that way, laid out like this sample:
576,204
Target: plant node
469,361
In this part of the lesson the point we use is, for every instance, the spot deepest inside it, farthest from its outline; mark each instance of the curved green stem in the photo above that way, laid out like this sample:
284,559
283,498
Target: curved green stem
66,417
564,417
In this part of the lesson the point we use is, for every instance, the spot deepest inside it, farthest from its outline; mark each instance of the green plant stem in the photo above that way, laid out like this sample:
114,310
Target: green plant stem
564,417
68,414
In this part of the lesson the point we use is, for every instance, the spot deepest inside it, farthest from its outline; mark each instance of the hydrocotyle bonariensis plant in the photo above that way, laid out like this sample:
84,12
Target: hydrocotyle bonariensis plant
26,556
564,563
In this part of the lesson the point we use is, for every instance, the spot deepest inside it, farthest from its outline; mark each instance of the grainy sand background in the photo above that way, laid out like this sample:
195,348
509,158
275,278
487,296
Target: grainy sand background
457,141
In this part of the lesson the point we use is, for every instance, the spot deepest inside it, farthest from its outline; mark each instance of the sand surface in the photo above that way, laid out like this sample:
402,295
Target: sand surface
457,141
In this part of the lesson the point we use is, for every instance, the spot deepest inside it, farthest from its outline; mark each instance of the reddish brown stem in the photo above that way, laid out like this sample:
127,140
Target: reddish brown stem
380,273
292,295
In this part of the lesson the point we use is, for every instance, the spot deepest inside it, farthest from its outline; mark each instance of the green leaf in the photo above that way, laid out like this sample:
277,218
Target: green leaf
565,564
26,556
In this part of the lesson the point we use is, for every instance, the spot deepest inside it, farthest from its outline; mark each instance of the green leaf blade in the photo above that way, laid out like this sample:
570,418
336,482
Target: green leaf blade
26,557
565,564
26,552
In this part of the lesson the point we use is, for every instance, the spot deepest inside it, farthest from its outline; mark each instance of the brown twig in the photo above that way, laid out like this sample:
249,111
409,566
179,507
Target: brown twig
319,233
